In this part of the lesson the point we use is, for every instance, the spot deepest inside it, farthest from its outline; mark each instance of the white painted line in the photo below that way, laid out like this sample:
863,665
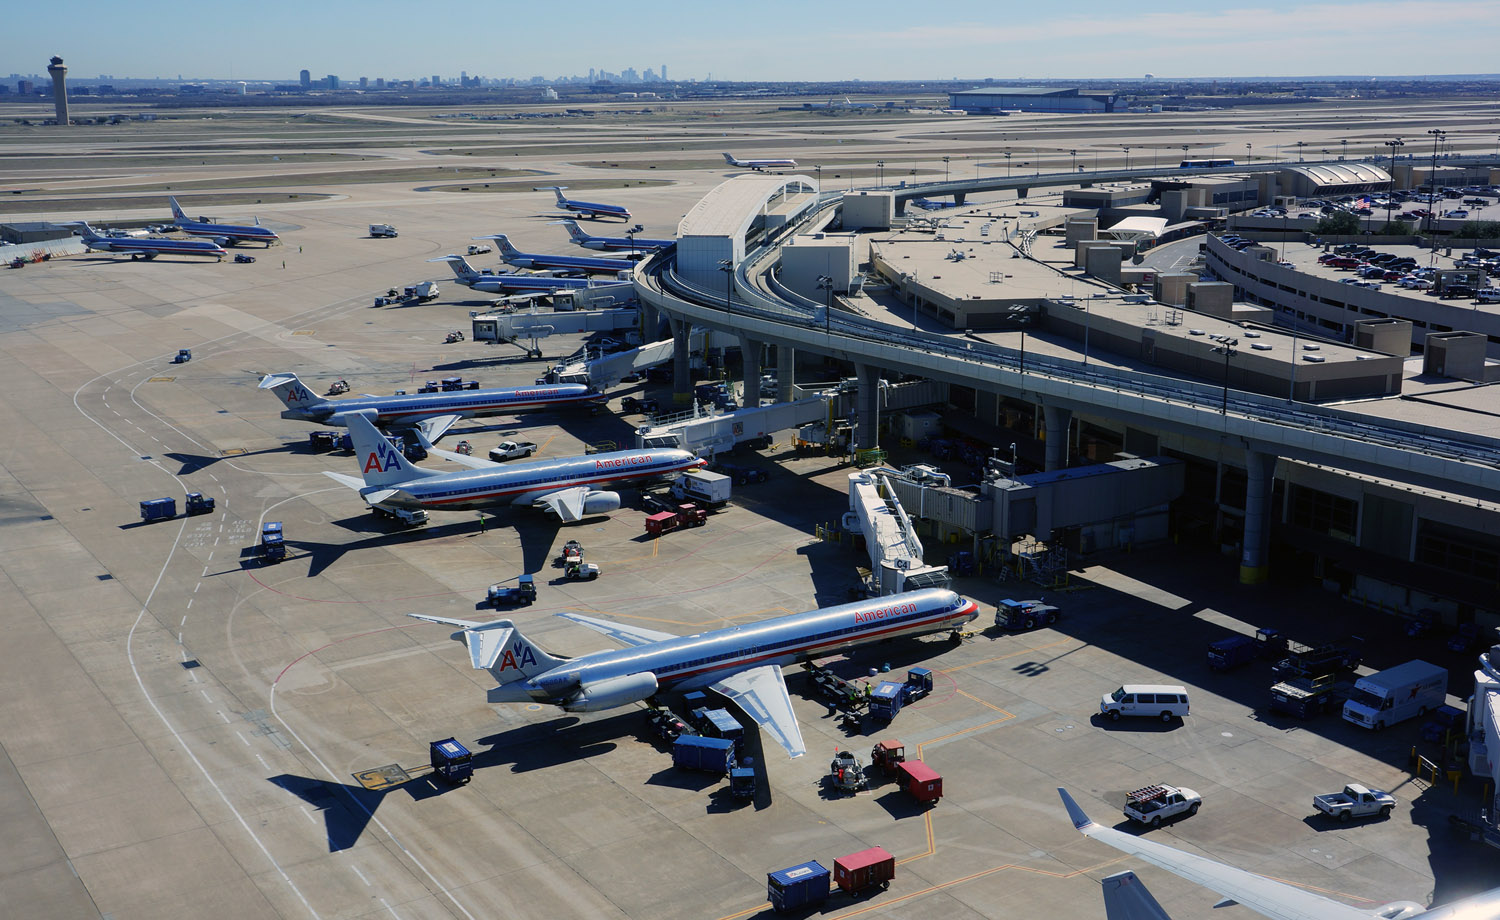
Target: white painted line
361,875
391,909
205,572
227,720
190,607
210,556
243,738
193,675
216,543
179,635
305,811
213,477
184,616
206,696
223,490
262,761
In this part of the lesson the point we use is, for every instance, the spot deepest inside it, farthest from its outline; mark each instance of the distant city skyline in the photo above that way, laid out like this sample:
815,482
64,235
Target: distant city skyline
873,40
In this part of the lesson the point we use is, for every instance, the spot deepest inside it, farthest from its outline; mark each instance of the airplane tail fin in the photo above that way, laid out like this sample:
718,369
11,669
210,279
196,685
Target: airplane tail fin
575,231
503,244
498,647
176,209
289,390
1126,898
87,232
729,158
558,191
462,270
381,464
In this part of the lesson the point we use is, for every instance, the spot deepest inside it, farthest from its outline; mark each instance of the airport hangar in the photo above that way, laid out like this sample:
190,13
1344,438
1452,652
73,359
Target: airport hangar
1385,501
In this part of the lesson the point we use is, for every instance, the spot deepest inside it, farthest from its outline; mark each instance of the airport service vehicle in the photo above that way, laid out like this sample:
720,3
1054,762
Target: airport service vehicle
1014,614
712,489
198,503
758,165
633,405
421,292
1316,660
572,551
806,885
1355,801
383,231
866,869
243,257
431,413
742,662
1163,701
1154,804
454,335
886,755
148,247
577,264
512,450
697,752
222,234
338,388
521,593
1396,694
478,249
920,781
667,724
183,356
663,522
451,761
887,699
1231,652
1305,697
158,509
584,208
407,517
845,773
1273,899
630,244
581,571
272,542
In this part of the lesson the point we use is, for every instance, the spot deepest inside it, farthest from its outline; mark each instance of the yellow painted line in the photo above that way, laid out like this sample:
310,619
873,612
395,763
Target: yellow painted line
160,379
303,332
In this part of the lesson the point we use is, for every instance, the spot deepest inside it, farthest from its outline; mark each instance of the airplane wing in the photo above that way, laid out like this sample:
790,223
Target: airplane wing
434,427
761,692
567,504
1277,900
1126,898
353,482
620,632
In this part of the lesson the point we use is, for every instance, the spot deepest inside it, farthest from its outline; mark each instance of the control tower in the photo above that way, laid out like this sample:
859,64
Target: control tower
59,72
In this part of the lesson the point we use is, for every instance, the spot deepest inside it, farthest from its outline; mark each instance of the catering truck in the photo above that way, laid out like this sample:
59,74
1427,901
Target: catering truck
1396,694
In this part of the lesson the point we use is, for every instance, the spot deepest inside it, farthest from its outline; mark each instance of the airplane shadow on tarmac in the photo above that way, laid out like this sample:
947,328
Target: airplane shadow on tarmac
536,537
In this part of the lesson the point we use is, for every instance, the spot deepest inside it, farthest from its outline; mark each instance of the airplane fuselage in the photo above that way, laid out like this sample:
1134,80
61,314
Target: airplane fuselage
471,490
700,660
566,263
590,209
228,232
155,246
506,283
624,244
403,411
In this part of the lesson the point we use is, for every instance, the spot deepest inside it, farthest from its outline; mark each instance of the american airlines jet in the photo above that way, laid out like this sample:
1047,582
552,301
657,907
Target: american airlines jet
741,662
584,208
758,165
510,254
570,487
614,243
487,282
223,234
148,247
430,413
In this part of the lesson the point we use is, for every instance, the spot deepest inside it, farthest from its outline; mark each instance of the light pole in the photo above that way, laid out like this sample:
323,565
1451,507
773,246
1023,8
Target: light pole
727,267
1247,153
1437,138
880,172
1007,164
630,233
1393,146
825,284
945,169
1127,158
1226,348
818,171
1073,158
1184,153
1345,154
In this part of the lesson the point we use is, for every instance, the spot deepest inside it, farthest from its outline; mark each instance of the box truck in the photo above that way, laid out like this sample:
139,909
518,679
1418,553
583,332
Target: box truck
1396,694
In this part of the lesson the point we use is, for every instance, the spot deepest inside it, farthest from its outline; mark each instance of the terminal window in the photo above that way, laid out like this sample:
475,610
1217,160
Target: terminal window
1321,512
1457,550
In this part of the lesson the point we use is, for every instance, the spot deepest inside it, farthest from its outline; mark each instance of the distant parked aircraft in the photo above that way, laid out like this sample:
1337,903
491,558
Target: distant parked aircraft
507,283
148,247
584,208
223,234
613,243
509,253
758,165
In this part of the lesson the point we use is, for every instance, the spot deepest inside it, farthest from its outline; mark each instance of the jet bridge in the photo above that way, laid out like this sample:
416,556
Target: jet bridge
1484,739
534,324
707,433
606,371
896,562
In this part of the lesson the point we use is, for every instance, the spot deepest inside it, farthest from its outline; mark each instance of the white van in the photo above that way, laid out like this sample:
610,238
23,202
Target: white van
1162,701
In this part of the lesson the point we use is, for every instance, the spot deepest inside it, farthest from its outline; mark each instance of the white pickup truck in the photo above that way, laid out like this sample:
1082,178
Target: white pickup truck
1355,801
510,450
1154,804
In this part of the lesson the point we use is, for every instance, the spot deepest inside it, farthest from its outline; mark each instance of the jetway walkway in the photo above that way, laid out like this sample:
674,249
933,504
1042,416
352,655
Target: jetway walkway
707,435
896,561
606,371
533,325
1484,739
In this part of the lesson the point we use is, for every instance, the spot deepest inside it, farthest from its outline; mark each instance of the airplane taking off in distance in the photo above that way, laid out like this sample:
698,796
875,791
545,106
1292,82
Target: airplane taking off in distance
430,413
148,247
487,282
510,254
583,208
741,662
569,487
1273,899
613,243
223,234
758,165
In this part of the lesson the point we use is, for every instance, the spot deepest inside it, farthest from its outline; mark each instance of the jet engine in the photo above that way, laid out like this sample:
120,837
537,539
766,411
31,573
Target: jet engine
603,503
1399,910
615,691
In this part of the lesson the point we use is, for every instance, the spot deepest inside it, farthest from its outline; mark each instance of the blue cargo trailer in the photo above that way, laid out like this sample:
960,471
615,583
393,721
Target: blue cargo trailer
719,723
158,509
1232,652
695,752
452,761
799,886
886,701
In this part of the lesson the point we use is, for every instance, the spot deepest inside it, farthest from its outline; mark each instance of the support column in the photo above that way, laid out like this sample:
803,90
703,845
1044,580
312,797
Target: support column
866,437
1057,421
786,372
1260,480
750,370
682,379
650,322
959,198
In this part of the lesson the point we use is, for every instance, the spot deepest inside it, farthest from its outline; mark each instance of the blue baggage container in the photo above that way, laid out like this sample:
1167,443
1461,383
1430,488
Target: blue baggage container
695,752
451,760
799,886
158,509
719,723
1231,652
886,701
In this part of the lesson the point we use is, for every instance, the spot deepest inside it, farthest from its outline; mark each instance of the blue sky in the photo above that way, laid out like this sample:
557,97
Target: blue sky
765,39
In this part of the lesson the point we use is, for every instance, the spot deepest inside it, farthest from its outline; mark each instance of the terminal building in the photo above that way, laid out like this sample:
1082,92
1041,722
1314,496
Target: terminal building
994,101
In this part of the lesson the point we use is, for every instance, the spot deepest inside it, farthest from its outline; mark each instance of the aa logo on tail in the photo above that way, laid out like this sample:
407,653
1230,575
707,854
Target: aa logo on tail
298,394
383,459
518,657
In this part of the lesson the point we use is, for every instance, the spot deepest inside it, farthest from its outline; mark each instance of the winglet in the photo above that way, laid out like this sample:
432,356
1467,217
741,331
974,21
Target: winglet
1080,820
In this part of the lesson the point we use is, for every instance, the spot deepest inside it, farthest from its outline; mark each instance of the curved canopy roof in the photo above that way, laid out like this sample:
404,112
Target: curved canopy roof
1340,174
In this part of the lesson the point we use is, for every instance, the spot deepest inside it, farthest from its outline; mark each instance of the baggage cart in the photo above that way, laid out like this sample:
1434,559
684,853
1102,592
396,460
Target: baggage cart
920,781
695,752
158,509
886,701
452,761
799,886
866,869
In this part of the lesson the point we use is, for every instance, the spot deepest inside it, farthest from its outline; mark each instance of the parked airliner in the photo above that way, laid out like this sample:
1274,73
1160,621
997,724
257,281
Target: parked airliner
148,247
758,165
223,234
510,254
742,662
614,243
487,282
430,413
584,208
570,487
1274,899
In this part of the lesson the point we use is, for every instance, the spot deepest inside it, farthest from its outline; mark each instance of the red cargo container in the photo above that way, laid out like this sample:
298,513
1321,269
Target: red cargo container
921,781
865,869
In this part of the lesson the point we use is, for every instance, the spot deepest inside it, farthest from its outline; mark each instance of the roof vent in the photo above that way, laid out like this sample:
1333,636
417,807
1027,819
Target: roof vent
1195,332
